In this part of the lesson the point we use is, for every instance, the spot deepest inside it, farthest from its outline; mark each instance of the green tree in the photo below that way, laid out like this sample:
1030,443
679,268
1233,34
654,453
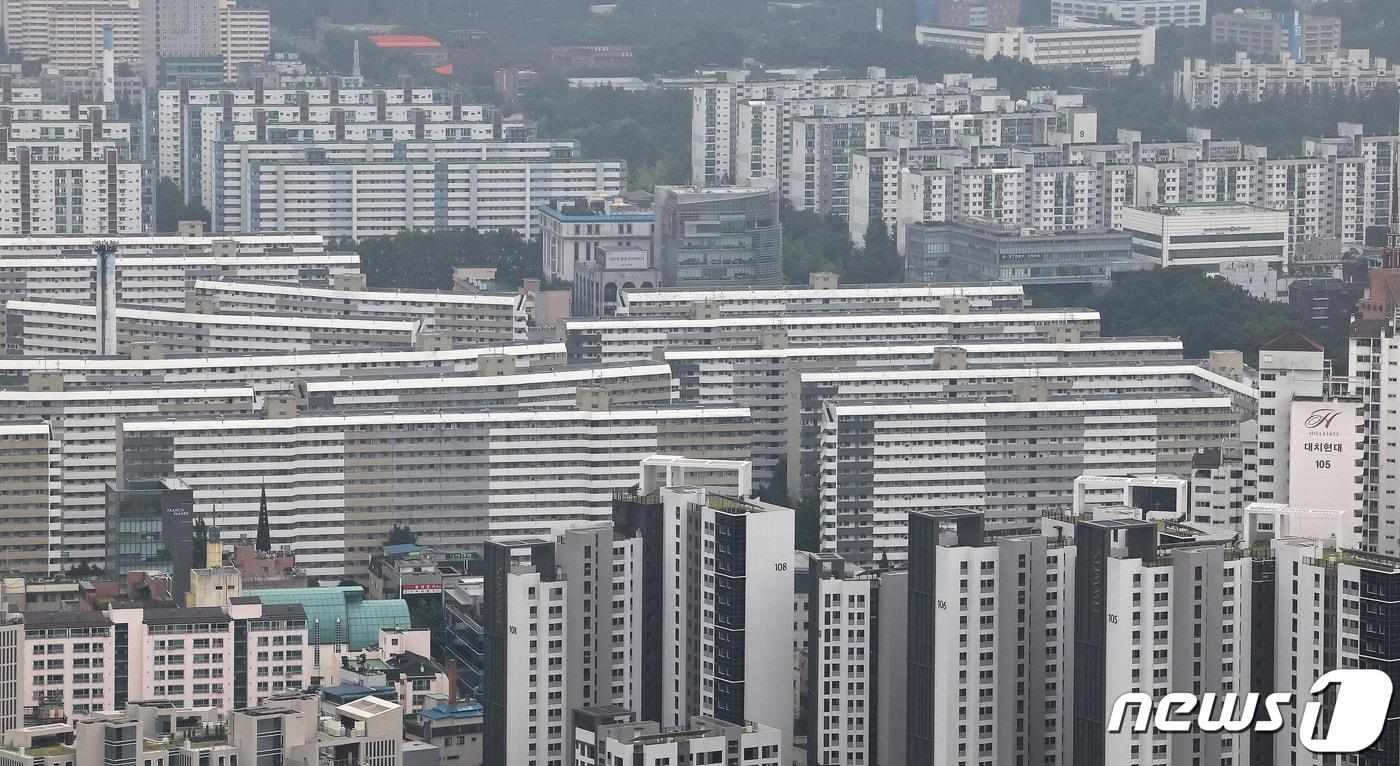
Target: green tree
427,613
201,545
402,536
424,260
171,208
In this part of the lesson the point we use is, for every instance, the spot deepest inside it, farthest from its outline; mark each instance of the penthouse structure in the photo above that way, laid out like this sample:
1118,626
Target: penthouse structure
495,472
1202,85
47,329
634,338
463,318
382,187
605,734
965,454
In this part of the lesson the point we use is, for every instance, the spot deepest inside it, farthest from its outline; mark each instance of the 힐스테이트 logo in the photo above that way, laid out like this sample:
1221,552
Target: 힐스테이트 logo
1321,418
1358,713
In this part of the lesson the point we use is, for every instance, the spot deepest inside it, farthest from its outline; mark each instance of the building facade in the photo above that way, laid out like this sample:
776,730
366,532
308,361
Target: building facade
718,237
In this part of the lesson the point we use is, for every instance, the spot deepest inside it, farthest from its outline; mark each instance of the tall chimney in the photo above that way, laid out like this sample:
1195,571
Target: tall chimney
106,293
452,682
109,66
355,62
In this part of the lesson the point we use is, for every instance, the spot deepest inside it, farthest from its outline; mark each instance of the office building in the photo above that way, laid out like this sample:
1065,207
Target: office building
990,674
572,231
334,521
1208,235
150,528
599,283
972,454
970,252
561,632
1147,13
1101,45
1277,36
1203,85
717,237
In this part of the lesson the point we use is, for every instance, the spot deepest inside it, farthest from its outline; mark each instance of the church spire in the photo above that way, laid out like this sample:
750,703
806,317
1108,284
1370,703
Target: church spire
264,541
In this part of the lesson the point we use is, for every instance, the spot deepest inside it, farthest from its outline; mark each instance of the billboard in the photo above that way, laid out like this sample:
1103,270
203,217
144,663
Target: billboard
1324,455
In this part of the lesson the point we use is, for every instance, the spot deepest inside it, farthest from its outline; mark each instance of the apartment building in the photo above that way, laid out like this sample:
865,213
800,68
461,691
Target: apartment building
494,472
463,318
382,187
882,461
1279,35
1147,13
101,194
57,329
1200,84
561,632
67,659
857,656
30,509
271,372
823,295
617,339
975,603
1101,45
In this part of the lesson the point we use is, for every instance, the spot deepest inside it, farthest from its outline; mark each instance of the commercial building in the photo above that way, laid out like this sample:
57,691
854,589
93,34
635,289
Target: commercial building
1113,47
334,521
1147,13
463,318
600,282
966,454
970,252
1208,235
1203,85
341,622
150,528
572,231
717,236
1279,35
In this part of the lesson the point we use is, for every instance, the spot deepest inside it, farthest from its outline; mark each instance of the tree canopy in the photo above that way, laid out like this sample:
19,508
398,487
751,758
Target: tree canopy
424,260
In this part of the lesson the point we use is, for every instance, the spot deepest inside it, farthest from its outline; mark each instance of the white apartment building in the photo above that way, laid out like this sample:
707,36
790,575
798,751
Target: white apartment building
1209,234
178,111
156,271
465,318
856,646
81,448
618,339
625,386
493,472
1200,84
882,461
990,653
81,196
68,34
271,372
823,295
30,520
45,329
563,628
371,189
1146,13
68,659
1096,46
572,233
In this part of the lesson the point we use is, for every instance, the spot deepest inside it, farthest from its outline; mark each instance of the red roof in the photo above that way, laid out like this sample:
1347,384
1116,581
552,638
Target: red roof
444,69
404,41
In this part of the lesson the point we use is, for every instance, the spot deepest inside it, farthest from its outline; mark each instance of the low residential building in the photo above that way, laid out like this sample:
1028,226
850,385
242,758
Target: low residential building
341,622
454,728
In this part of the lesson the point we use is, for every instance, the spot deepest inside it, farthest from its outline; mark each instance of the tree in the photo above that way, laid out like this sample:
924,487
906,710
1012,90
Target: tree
201,545
427,613
402,536
424,260
264,540
171,208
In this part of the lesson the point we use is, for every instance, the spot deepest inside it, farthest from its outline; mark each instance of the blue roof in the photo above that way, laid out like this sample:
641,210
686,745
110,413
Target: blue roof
448,712
341,614
402,548
554,213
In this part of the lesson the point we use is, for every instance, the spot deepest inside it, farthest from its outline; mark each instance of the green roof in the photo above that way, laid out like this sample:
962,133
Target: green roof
345,606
